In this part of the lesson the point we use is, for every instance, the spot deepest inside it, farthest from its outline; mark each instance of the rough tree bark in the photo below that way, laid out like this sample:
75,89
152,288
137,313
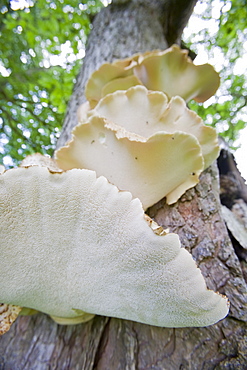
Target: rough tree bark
36,342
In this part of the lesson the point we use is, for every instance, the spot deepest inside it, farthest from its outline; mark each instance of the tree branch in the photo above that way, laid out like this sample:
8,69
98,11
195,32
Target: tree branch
176,14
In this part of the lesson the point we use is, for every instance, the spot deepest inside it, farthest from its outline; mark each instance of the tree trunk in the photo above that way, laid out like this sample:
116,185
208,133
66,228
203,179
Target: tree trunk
36,342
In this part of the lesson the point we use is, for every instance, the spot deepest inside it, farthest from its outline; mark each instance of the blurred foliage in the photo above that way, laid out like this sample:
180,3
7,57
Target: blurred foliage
41,48
223,36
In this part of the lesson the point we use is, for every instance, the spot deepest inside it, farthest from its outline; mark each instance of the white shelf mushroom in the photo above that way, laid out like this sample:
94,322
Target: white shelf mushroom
150,168
174,73
111,77
143,143
71,242
145,112
170,71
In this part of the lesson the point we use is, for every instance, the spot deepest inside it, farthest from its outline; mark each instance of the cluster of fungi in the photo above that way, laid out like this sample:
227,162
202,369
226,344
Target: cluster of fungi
75,240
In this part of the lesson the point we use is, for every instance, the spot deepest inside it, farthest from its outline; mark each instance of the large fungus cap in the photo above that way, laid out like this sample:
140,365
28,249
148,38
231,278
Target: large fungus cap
146,112
170,71
164,164
111,77
71,242
174,73
142,143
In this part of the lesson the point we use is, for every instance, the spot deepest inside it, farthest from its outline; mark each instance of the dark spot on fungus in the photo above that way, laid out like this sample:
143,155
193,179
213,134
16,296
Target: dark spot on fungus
135,157
93,141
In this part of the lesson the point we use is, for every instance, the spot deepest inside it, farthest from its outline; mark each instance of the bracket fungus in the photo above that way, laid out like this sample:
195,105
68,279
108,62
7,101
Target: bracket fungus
145,112
79,245
8,314
109,78
171,71
143,143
